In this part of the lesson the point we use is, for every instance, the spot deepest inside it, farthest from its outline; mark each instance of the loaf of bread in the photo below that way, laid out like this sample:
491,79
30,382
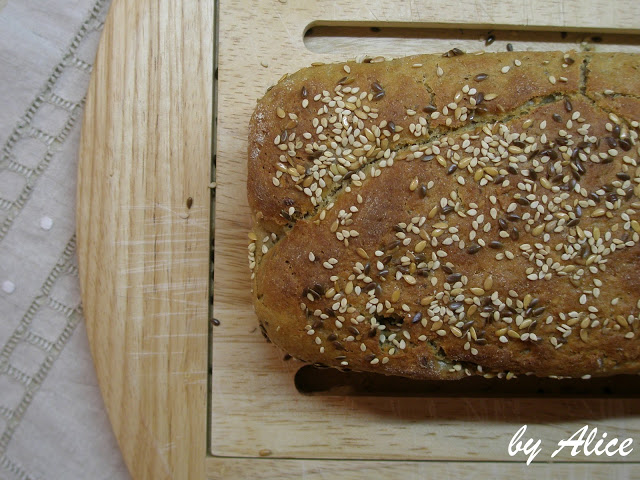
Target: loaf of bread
440,216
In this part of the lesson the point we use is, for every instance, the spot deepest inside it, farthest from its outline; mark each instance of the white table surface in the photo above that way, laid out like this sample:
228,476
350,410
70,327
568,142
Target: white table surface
52,419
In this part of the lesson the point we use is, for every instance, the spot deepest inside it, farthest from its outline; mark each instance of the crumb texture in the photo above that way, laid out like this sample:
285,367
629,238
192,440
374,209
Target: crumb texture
443,216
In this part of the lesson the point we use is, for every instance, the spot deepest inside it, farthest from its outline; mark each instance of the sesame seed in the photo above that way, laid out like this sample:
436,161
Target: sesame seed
409,279
395,296
488,283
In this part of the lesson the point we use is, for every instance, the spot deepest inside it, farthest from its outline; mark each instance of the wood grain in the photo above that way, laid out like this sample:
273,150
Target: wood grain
143,254
287,469
146,148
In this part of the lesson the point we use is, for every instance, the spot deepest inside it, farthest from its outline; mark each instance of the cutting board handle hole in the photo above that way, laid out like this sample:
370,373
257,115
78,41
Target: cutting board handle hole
310,380
357,39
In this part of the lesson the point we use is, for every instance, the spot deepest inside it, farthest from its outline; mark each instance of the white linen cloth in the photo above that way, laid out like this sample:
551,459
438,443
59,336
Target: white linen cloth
52,419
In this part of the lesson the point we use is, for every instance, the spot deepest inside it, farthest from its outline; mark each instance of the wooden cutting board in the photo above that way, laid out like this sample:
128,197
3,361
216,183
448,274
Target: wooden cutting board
190,399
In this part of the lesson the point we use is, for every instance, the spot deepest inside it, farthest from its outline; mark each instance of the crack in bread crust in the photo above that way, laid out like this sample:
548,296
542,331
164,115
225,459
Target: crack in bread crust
434,135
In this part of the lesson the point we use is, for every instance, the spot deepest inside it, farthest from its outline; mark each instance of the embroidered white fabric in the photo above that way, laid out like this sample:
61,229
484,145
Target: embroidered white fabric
52,419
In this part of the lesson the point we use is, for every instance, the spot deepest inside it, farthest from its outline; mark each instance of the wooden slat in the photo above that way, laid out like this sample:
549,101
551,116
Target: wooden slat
276,469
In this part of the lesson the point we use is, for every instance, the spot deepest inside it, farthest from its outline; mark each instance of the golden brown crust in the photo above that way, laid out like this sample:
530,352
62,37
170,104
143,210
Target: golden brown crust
436,217
612,74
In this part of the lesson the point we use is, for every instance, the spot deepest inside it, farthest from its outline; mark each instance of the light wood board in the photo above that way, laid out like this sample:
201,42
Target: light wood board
146,148
143,255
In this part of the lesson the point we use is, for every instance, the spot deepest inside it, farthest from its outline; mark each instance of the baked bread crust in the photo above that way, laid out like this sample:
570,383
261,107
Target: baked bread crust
442,216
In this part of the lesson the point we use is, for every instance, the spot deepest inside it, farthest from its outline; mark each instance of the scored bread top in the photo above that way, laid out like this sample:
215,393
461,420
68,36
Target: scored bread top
442,216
